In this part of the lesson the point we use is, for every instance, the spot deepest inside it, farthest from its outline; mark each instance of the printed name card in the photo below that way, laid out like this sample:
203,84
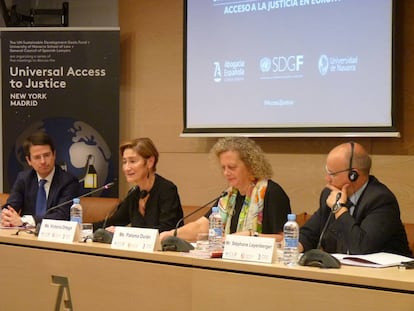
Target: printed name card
136,239
248,248
58,231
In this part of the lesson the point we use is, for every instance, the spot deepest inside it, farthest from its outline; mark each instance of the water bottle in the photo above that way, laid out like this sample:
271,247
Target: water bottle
76,211
291,239
215,232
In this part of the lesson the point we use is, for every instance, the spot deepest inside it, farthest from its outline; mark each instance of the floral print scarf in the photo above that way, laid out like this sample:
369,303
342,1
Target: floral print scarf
251,214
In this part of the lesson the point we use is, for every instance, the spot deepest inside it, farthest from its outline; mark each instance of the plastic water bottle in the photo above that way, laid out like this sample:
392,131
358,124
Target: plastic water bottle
76,211
291,239
215,232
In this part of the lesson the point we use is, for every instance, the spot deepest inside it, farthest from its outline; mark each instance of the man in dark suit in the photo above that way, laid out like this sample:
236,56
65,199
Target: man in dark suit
361,214
57,185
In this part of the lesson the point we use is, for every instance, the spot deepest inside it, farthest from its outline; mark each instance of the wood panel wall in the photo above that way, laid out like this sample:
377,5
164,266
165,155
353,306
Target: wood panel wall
151,104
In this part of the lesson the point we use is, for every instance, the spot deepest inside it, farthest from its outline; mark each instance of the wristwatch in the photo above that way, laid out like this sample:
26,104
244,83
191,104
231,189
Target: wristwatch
338,206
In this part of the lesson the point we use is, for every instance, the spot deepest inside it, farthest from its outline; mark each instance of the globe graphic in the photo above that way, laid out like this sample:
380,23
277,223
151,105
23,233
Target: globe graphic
79,147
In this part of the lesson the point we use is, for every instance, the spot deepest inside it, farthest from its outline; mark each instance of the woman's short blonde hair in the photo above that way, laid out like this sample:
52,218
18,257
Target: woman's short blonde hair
250,153
142,146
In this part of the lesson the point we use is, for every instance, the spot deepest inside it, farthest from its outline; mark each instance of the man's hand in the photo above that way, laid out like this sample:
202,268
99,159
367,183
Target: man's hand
331,199
10,218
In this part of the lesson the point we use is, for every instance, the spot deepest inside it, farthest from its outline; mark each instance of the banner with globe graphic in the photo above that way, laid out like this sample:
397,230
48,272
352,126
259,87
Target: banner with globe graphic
66,82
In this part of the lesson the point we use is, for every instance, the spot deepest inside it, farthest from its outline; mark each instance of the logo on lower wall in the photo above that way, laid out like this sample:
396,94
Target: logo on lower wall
63,296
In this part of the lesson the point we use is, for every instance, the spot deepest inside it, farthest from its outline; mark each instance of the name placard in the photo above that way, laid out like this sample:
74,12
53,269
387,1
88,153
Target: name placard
58,231
136,239
248,248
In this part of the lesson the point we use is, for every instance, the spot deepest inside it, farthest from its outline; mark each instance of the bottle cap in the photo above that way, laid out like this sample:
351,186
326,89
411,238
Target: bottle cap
215,209
76,201
291,217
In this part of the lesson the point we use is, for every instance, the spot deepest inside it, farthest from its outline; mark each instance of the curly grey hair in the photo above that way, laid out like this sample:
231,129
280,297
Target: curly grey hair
250,153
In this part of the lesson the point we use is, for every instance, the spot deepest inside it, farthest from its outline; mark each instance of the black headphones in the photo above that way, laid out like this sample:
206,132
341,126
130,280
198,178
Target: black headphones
352,174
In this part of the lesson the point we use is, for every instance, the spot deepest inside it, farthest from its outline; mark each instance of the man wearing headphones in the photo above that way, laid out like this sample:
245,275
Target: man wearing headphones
357,214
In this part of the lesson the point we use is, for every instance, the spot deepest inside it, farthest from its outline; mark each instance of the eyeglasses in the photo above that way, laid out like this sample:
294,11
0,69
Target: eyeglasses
25,230
332,174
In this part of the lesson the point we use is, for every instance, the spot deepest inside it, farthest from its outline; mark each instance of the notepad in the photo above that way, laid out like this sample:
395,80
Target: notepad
375,260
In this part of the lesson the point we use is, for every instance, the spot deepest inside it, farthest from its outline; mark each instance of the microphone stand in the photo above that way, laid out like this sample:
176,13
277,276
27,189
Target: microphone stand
104,187
197,210
174,243
104,236
318,246
101,235
317,257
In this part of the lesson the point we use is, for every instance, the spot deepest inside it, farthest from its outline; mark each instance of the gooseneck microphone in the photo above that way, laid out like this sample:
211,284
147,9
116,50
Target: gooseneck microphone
104,187
101,235
318,246
174,243
317,257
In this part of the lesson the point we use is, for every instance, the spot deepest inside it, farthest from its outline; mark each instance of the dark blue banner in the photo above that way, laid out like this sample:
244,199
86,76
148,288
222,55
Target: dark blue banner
65,82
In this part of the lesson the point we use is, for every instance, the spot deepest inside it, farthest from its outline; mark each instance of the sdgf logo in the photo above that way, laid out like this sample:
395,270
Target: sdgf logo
292,63
265,64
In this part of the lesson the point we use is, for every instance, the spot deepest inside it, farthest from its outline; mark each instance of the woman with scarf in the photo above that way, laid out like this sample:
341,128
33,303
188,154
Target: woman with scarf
254,204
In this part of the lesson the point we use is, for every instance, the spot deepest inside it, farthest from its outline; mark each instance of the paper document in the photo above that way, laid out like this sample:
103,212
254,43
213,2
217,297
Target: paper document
375,260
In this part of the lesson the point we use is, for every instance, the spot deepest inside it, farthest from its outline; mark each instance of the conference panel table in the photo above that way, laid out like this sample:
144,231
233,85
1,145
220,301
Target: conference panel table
40,275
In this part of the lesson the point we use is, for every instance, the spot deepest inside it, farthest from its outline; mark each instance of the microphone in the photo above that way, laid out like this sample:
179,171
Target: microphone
104,187
318,246
101,235
107,186
317,257
174,243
